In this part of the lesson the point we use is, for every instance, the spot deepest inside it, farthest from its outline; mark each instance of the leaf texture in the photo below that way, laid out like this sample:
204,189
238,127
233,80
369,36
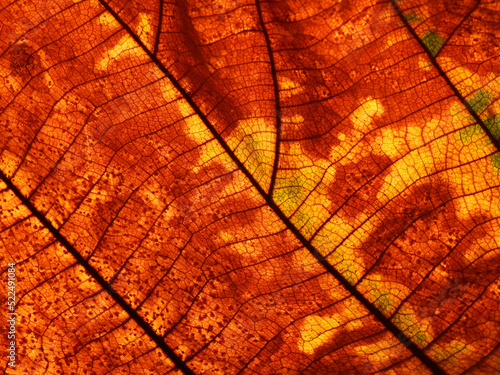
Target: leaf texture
251,187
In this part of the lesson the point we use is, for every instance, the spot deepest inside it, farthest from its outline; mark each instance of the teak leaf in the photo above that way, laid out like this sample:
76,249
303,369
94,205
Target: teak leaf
250,187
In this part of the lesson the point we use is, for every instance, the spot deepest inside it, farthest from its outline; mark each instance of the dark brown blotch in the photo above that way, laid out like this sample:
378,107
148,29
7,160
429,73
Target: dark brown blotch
24,60
356,185
423,203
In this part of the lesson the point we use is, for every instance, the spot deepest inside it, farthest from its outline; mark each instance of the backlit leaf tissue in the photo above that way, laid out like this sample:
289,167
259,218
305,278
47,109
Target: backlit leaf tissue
251,187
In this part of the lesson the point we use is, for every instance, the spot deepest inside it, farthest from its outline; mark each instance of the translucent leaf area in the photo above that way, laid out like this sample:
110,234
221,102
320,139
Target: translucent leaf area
251,187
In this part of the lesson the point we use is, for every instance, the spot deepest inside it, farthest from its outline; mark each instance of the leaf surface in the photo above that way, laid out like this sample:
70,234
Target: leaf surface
250,187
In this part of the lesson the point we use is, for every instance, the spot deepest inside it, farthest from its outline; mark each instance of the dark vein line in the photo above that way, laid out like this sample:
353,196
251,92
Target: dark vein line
405,340
389,325
473,9
276,99
434,62
158,29
94,274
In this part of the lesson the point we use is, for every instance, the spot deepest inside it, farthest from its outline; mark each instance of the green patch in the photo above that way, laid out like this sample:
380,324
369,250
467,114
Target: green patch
304,222
480,101
289,193
433,41
296,192
251,153
465,135
493,125
383,301
452,353
495,159
381,298
405,321
347,269
411,18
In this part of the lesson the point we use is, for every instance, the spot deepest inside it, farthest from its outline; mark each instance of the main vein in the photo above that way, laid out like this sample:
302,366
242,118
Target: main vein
93,273
389,325
419,353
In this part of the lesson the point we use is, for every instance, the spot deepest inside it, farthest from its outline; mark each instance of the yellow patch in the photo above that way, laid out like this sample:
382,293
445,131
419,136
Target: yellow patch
485,203
385,295
253,143
424,63
340,243
126,48
362,121
465,81
363,116
170,93
301,193
196,129
144,30
316,331
394,142
404,173
194,126
107,20
208,153
288,87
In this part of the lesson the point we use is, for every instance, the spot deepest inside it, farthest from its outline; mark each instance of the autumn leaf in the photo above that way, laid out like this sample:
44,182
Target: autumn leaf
250,187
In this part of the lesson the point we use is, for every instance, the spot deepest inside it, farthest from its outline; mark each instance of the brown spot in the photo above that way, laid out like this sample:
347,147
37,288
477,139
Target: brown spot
23,60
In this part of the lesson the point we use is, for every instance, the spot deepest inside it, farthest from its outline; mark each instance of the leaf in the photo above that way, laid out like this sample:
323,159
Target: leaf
251,187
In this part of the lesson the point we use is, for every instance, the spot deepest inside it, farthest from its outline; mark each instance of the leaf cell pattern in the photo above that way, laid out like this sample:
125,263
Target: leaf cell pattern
252,187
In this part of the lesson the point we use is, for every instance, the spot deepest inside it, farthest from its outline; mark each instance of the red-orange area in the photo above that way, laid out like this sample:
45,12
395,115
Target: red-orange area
251,187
